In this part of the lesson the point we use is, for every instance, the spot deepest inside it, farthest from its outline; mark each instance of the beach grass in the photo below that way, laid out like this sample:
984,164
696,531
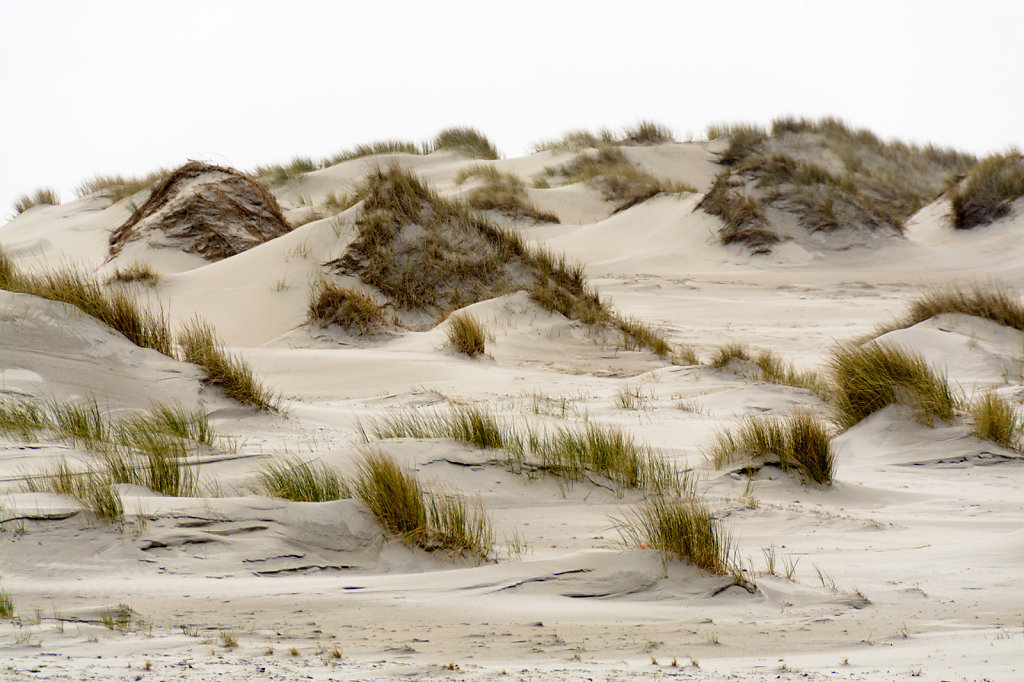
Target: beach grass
200,346
301,480
466,334
142,273
44,196
466,141
996,419
995,301
347,307
989,189
680,526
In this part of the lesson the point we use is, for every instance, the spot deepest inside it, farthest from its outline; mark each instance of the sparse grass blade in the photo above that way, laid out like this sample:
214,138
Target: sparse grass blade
200,346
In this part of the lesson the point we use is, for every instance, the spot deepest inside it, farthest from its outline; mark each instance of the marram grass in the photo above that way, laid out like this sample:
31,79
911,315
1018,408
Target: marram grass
995,419
200,346
301,481
466,334
680,526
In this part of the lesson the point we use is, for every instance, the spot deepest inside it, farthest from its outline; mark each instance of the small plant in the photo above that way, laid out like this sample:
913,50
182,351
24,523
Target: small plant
228,639
6,604
467,141
871,376
466,334
374,148
744,140
142,273
632,398
728,352
989,190
681,527
647,132
742,214
996,420
118,187
200,346
800,441
118,618
301,481
503,192
42,196
349,308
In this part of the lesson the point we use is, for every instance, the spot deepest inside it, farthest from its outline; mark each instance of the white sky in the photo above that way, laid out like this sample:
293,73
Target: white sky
125,87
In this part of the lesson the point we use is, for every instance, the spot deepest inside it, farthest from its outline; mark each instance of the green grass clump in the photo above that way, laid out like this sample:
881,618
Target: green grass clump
301,481
800,440
647,132
466,334
466,141
742,214
280,173
136,272
637,335
94,490
989,190
6,604
567,454
993,301
118,187
173,419
728,352
996,420
200,346
22,417
116,309
42,196
607,170
421,518
504,192
375,148
680,526
866,378
347,307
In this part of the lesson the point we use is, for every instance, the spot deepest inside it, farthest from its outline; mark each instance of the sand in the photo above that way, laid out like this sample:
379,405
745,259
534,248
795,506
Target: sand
907,566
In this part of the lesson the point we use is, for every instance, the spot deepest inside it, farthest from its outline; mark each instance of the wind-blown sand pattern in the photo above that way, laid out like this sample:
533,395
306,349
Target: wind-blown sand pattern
908,564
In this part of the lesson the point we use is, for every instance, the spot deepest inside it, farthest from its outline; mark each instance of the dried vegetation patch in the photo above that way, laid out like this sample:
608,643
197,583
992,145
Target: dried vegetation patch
988,191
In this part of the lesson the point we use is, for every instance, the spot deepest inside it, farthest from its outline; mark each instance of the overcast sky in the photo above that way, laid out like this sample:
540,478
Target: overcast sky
125,87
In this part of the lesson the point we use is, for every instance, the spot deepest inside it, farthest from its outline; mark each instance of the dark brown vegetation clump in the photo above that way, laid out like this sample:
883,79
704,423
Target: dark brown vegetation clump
988,190
742,214
347,307
213,211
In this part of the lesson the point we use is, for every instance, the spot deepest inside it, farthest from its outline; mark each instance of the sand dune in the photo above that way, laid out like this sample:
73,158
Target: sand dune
906,565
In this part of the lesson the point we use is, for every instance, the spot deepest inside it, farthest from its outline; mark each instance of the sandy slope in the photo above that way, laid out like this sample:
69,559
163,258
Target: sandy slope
907,566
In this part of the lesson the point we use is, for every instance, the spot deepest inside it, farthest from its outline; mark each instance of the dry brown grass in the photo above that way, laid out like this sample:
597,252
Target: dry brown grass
466,334
350,308
995,301
200,346
44,196
743,217
118,187
504,192
467,141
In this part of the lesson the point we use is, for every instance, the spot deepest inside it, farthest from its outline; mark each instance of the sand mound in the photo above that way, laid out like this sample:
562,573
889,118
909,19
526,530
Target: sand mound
212,211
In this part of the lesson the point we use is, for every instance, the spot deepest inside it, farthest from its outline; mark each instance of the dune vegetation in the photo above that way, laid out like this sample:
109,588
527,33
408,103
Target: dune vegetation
503,192
466,334
994,301
827,174
200,345
988,191
350,308
44,196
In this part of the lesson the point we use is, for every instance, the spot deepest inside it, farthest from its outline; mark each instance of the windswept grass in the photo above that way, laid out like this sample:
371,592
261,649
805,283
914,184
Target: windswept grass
993,301
742,214
728,352
200,346
6,604
680,526
429,520
872,376
989,190
22,418
744,140
466,141
607,170
42,196
280,173
116,309
172,419
94,490
118,187
142,273
375,148
504,192
466,334
996,420
647,132
800,440
568,454
345,306
301,481
641,133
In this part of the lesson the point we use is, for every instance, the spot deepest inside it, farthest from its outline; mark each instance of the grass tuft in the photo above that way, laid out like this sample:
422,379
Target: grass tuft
744,140
116,309
347,307
466,334
420,518
467,141
727,352
996,420
647,132
136,272
800,440
200,346
118,187
993,301
375,148
42,196
988,190
681,526
873,375
742,214
301,481
6,604
504,192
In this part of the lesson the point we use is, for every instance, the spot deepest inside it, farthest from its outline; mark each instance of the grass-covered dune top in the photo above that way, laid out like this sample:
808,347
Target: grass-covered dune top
830,175
213,211
429,256
988,190
994,301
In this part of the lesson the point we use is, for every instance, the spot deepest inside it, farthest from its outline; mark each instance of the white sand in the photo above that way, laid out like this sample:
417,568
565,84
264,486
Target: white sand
919,542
